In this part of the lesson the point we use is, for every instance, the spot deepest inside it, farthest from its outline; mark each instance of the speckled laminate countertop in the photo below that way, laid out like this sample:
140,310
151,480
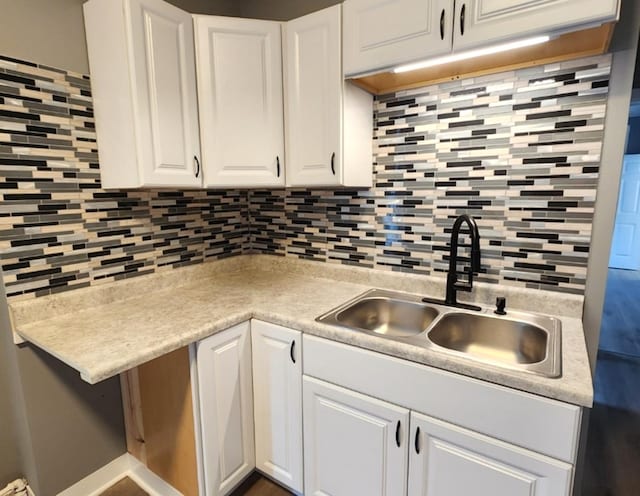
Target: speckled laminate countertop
104,330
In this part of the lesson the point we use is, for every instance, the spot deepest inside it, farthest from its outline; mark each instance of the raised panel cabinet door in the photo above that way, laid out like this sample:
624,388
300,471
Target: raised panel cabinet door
447,460
313,99
163,85
277,379
353,444
485,22
381,34
239,66
226,408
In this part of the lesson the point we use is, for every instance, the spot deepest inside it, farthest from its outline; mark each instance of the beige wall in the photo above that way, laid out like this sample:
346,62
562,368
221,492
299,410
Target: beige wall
51,32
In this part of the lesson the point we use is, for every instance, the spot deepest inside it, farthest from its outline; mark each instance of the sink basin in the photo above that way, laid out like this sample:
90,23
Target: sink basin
522,341
499,340
387,316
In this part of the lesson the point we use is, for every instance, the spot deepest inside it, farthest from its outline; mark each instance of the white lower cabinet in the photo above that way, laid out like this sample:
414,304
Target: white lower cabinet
226,408
353,444
373,425
277,381
447,460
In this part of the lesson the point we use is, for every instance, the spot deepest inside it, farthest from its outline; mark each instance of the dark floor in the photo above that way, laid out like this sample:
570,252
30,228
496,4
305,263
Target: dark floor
124,487
612,465
256,485
620,332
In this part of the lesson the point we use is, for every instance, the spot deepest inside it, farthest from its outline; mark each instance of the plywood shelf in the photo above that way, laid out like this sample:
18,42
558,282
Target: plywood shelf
588,42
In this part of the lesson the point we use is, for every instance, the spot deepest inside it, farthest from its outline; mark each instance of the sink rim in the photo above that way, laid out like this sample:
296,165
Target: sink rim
550,367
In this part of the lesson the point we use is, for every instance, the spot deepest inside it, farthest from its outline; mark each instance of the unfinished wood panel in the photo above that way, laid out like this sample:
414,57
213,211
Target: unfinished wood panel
133,414
585,43
167,414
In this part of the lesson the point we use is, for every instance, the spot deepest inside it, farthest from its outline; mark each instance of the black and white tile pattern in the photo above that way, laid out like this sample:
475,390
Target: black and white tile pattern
520,151
58,229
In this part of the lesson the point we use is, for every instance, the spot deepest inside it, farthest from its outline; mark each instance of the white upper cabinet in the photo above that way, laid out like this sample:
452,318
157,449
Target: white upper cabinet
483,22
447,460
329,124
379,34
277,381
382,34
142,64
239,66
353,444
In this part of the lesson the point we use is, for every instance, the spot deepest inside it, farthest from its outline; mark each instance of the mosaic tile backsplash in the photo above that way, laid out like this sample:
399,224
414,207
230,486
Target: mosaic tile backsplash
58,229
520,151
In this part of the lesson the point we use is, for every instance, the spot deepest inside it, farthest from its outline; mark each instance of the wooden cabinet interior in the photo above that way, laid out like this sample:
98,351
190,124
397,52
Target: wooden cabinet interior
588,42
159,419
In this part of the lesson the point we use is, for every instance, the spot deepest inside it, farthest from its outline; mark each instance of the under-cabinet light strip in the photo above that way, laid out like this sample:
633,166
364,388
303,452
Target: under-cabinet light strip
472,54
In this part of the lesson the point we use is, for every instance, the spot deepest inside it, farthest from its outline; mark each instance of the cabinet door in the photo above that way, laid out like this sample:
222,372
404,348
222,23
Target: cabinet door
164,93
483,22
353,444
380,34
226,408
277,377
447,460
313,88
239,65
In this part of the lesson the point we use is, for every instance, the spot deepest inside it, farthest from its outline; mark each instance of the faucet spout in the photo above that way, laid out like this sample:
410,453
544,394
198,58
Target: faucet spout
453,286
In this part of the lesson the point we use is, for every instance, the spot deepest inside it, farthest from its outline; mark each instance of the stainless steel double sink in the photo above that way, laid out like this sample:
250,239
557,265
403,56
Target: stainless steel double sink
522,341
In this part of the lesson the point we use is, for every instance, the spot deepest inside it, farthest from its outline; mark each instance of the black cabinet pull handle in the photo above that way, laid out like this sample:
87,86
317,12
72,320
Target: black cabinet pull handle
463,15
417,441
278,166
197,165
333,166
442,25
398,434
291,351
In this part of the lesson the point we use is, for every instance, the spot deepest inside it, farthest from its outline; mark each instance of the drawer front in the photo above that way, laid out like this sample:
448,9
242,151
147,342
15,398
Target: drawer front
543,425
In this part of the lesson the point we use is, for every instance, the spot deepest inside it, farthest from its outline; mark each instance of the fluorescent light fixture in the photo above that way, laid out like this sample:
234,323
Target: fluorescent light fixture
472,54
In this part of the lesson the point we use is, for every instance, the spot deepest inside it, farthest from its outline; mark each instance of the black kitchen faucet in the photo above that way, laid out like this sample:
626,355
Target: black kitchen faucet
453,285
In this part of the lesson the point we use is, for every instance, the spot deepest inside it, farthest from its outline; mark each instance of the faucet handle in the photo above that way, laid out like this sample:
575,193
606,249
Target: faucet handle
501,303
